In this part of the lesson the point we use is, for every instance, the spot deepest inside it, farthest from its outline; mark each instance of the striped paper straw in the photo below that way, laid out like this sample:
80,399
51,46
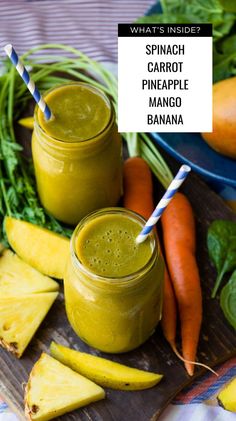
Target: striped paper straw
170,192
28,80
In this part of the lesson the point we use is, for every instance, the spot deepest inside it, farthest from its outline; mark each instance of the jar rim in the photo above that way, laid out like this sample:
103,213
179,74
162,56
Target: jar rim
124,280
61,142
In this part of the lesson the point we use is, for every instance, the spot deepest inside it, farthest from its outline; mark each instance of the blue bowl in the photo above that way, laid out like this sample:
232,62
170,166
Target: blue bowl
218,171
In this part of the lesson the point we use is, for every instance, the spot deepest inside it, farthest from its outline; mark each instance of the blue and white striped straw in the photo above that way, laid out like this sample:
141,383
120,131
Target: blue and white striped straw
28,81
170,192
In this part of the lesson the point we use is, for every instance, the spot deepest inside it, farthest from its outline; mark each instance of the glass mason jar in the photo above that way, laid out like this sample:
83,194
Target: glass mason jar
76,177
118,314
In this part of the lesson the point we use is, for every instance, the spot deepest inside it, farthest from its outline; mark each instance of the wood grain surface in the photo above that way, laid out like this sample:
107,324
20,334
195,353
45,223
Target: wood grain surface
217,343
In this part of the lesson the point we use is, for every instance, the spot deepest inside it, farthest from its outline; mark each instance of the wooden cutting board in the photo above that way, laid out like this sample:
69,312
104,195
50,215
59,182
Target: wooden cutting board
217,343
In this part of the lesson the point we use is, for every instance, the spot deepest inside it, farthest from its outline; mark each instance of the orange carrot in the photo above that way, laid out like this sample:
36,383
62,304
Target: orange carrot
169,311
138,188
180,246
138,196
179,230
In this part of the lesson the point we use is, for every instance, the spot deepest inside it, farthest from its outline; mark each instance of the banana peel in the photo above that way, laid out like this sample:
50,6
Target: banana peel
104,372
227,396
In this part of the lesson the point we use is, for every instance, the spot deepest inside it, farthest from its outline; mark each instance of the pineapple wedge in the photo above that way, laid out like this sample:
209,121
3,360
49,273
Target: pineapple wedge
105,372
227,396
53,389
27,122
41,248
18,278
20,317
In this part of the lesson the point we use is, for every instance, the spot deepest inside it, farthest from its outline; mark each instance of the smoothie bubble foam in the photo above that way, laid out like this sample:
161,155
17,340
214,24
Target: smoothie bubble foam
107,246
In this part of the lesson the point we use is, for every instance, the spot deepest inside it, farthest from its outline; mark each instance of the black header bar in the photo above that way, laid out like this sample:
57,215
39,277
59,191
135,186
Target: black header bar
164,30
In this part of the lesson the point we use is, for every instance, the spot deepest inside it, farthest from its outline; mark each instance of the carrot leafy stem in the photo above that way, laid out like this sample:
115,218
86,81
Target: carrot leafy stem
18,196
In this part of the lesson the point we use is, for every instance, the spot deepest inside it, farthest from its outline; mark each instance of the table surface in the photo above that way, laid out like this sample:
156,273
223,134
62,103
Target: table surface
217,342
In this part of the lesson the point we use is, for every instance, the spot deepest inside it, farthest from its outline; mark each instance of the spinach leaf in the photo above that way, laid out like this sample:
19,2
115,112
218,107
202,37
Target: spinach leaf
224,58
229,5
200,7
167,18
228,300
194,11
222,15
221,242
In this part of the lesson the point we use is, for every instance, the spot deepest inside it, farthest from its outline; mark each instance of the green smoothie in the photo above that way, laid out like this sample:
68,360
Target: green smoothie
79,113
113,287
77,154
107,246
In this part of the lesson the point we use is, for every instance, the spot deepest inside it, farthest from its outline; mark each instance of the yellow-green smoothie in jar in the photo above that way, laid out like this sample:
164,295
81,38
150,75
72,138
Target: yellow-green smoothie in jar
106,245
113,286
77,153
79,113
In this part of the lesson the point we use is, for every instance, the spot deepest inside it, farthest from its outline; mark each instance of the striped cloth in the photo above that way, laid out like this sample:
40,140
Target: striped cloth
198,402
206,388
91,26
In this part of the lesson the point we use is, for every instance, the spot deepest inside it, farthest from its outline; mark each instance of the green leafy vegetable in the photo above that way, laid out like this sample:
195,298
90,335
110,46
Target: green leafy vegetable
228,300
224,58
228,5
221,241
18,195
222,15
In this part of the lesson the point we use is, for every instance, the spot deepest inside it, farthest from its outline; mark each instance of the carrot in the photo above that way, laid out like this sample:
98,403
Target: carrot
180,246
138,196
169,311
138,187
179,230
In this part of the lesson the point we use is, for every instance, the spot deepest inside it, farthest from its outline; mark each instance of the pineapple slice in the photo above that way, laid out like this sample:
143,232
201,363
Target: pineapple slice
53,389
27,122
41,248
20,317
18,278
227,396
105,372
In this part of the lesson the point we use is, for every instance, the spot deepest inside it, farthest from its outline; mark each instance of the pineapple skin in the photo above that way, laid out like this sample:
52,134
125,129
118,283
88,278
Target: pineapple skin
31,411
10,347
